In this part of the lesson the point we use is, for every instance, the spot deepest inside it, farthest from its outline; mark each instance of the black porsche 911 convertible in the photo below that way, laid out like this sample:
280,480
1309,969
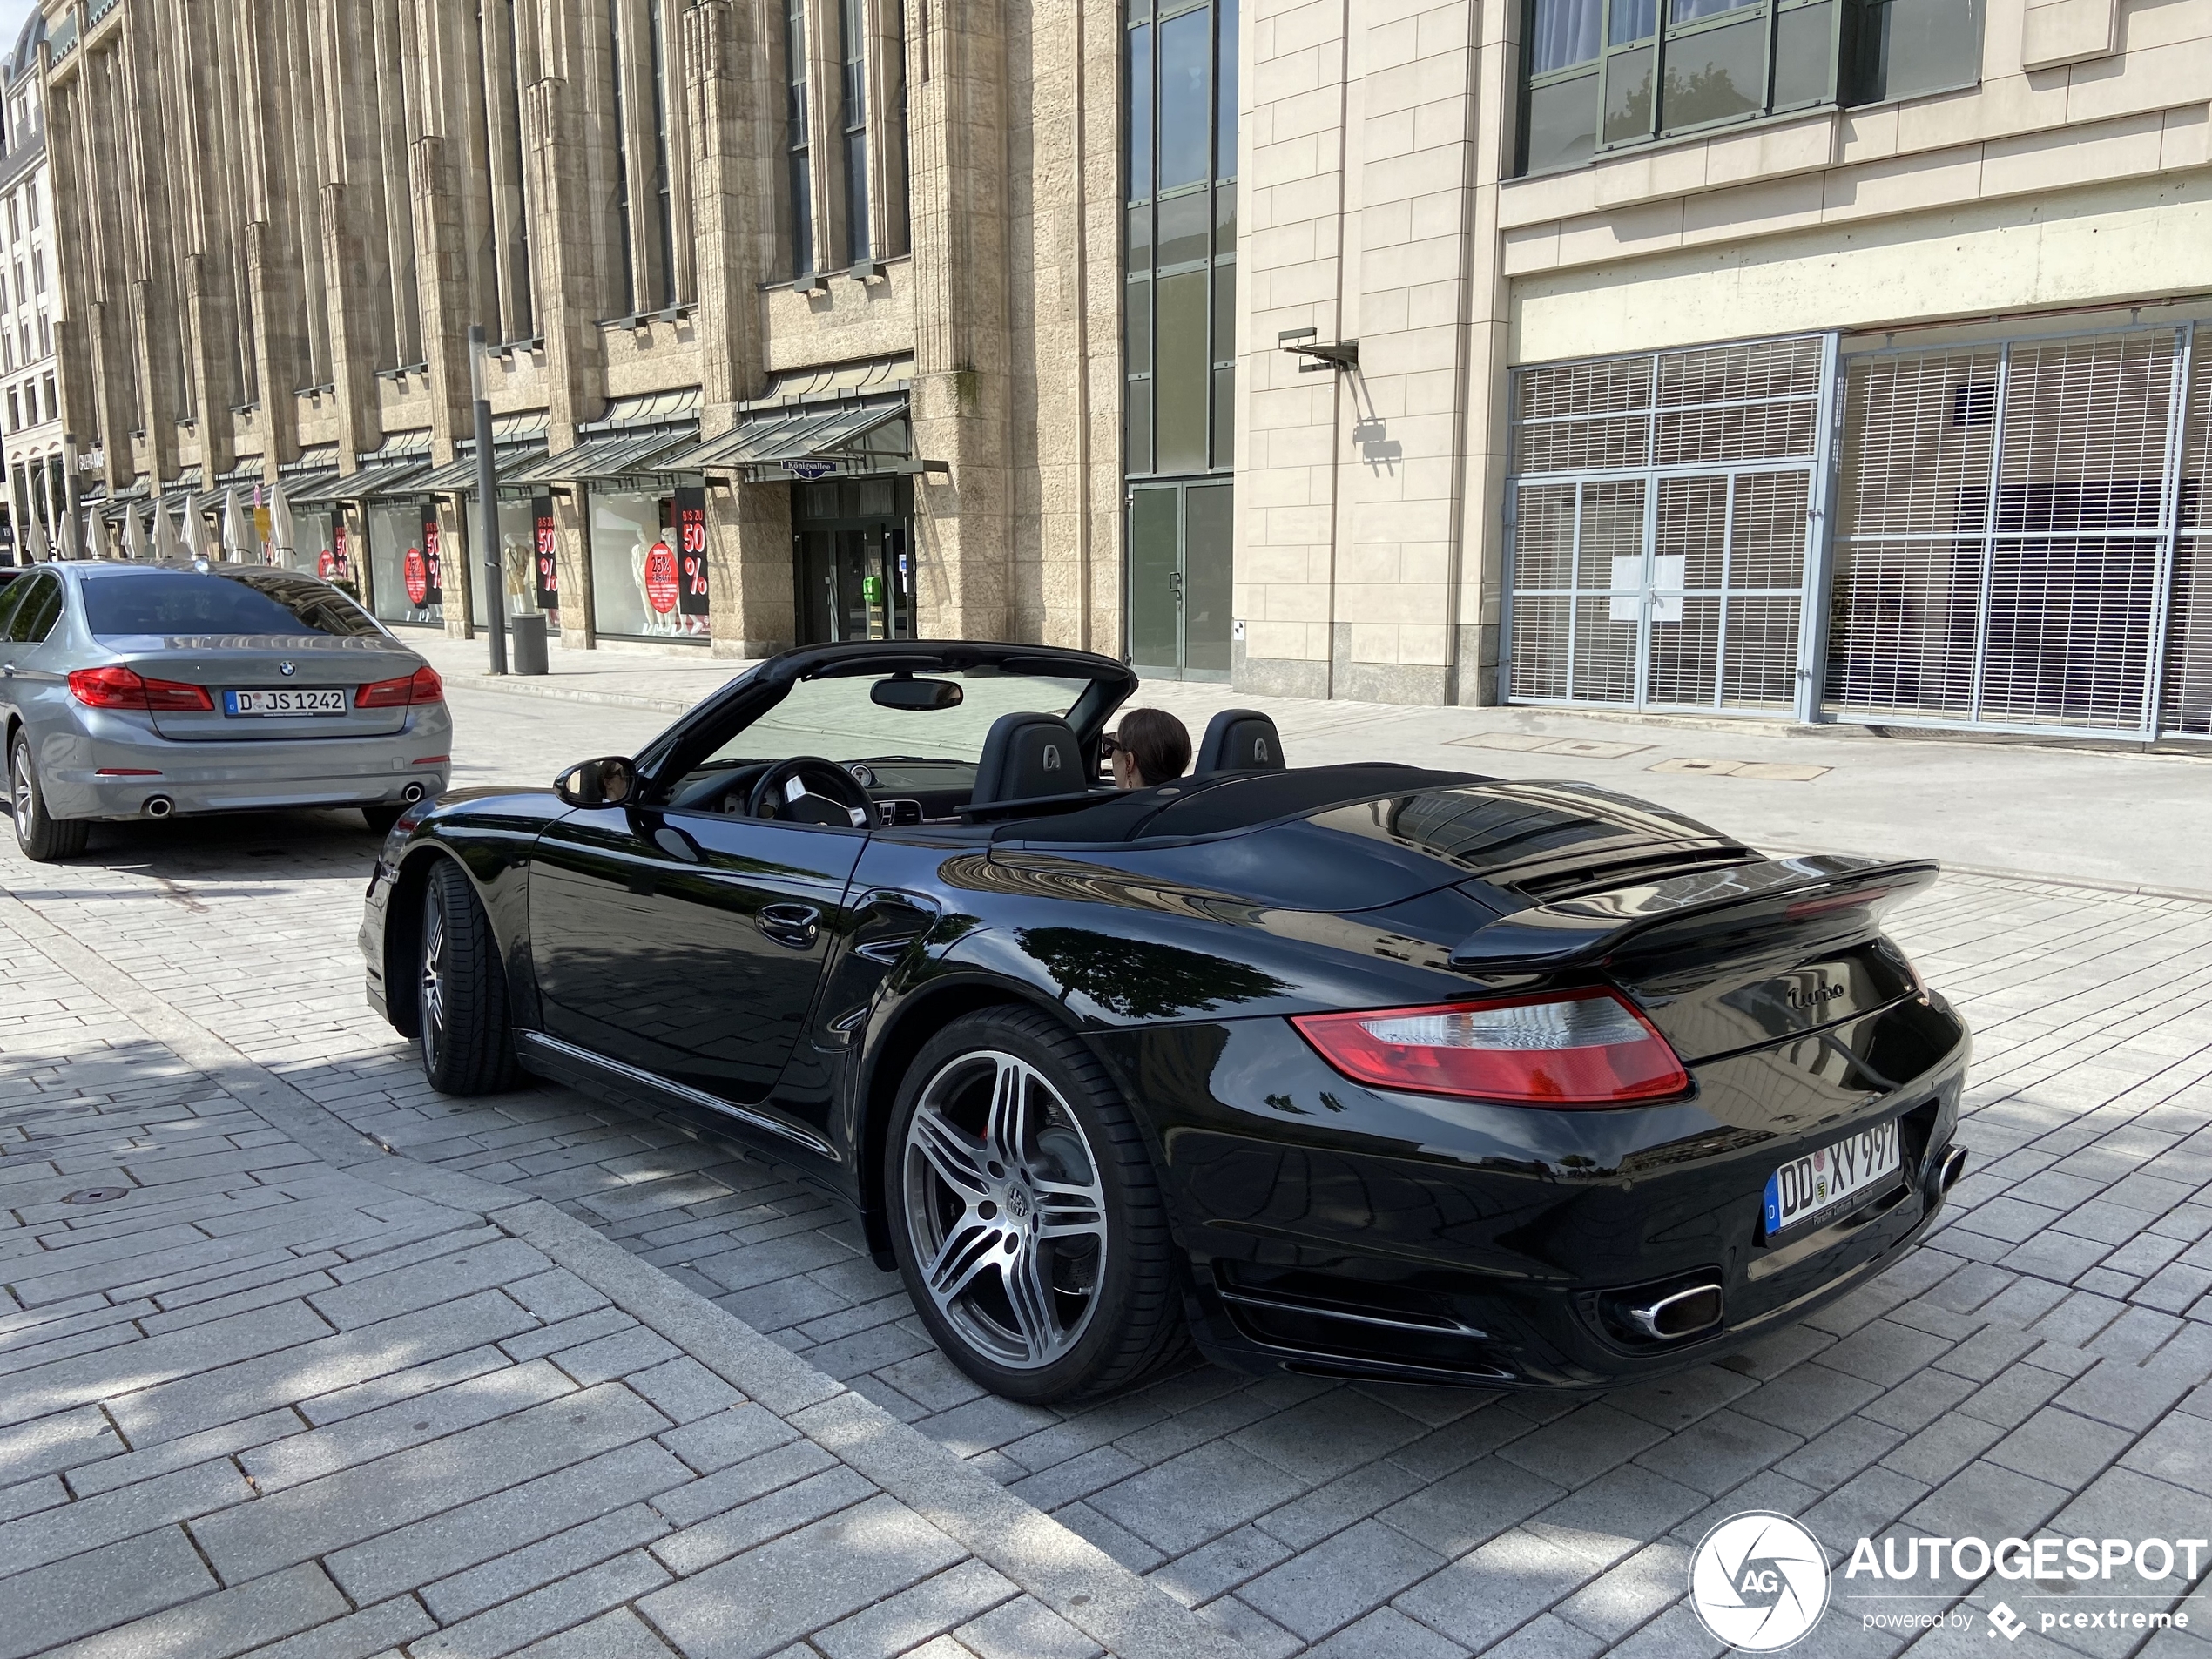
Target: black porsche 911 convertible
1353,1069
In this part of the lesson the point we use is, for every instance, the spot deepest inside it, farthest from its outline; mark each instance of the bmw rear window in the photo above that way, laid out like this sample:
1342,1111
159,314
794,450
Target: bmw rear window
243,602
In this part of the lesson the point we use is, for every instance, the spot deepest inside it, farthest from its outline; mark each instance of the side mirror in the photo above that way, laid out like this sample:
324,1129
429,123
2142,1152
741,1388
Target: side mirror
598,783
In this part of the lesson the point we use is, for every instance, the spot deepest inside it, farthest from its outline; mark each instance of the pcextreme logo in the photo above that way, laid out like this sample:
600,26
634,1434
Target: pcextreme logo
1758,1581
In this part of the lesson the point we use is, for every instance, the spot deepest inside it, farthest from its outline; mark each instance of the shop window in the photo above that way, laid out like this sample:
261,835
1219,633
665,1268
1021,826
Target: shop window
649,575
406,566
1600,75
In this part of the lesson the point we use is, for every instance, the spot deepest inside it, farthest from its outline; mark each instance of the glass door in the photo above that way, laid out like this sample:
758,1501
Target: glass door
852,563
1179,538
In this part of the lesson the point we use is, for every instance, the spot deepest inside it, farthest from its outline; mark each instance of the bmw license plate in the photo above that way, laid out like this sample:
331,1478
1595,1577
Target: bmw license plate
1822,1183
286,701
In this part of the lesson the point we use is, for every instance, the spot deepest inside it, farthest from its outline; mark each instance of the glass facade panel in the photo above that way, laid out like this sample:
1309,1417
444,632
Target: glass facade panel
1717,74
1803,55
1180,380
1562,123
1185,228
1139,113
1907,47
1566,34
1186,126
1627,95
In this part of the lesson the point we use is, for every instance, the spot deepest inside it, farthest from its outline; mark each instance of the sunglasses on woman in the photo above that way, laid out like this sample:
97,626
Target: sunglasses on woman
1108,746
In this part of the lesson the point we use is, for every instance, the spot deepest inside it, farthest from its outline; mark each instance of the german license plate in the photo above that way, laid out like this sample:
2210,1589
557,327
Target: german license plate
286,701
1823,1183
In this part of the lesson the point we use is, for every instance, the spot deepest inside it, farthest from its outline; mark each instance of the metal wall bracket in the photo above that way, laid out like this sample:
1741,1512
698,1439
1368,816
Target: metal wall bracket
1336,355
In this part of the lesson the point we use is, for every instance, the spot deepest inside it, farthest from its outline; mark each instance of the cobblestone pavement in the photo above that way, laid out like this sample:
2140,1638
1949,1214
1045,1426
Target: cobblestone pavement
2042,1363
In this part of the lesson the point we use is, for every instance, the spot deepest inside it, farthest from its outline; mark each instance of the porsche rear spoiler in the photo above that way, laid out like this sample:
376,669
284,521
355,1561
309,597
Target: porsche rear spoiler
1821,896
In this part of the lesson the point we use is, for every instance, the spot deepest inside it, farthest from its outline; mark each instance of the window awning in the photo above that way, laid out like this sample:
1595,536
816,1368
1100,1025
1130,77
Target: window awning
612,455
394,469
631,437
841,439
246,470
518,441
181,488
314,478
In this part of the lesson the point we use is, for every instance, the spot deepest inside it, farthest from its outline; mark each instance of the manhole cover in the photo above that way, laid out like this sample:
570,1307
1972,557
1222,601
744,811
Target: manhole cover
98,1195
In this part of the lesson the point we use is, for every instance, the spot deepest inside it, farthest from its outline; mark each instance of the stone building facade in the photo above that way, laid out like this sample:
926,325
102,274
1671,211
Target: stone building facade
39,461
801,312
1815,358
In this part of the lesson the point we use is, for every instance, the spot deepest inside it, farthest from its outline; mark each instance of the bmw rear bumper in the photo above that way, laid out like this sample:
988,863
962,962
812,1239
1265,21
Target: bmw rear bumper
1334,1230
115,767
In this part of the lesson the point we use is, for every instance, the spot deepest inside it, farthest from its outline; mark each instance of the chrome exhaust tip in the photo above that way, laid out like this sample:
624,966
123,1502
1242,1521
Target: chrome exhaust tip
412,793
159,807
1683,1314
1954,1165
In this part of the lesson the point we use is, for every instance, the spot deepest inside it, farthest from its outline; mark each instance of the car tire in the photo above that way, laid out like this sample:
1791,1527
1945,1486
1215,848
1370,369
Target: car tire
380,820
467,1044
43,838
991,1208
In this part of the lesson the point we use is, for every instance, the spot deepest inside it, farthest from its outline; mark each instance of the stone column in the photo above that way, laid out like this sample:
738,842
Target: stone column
957,123
727,128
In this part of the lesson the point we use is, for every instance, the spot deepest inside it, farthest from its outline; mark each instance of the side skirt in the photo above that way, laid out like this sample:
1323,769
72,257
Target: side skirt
564,1062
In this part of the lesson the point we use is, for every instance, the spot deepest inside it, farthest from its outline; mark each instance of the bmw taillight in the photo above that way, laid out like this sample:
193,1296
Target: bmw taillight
421,686
117,687
1575,1048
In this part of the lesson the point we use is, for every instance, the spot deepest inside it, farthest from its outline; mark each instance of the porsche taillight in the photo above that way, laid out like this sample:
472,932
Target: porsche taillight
421,686
1586,1048
117,687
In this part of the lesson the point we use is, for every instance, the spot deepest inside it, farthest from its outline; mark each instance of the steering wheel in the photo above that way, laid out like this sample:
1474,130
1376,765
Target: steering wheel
807,789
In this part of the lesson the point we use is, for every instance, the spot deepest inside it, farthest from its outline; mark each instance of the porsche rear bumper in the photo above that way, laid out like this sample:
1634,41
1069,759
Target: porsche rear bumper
1336,1230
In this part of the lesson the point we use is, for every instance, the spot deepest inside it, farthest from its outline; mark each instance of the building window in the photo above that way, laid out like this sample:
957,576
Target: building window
53,400
38,269
801,191
853,15
1602,75
625,232
15,411
1179,310
664,169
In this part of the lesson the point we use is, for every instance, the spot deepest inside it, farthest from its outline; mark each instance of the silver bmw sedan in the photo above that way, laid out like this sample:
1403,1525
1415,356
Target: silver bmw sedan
148,691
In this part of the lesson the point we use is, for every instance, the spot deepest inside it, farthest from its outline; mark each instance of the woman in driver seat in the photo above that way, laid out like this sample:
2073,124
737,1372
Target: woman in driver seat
1150,747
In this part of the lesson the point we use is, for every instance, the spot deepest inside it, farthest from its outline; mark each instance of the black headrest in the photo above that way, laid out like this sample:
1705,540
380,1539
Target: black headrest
1027,756
1239,741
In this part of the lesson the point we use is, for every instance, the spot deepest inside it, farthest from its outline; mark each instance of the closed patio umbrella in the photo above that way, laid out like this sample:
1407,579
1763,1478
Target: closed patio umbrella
199,536
67,547
237,531
37,543
168,545
96,545
283,534
134,536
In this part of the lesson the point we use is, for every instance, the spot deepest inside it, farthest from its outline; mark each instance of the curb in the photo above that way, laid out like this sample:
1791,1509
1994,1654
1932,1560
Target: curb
1078,1581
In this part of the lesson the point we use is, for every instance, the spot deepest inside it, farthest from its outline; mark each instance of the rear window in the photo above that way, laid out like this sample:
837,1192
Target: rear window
244,602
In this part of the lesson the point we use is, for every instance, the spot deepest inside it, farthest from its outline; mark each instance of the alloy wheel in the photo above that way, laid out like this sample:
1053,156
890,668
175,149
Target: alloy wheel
25,799
1005,1209
433,972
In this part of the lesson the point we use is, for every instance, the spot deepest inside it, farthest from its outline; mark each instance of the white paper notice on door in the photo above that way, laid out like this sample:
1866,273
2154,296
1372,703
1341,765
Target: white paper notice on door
1628,574
1668,570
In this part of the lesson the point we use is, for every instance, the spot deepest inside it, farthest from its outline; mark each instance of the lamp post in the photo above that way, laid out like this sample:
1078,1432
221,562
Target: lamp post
488,500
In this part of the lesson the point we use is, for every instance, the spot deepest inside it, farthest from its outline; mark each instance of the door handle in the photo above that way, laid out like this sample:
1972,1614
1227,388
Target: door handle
796,924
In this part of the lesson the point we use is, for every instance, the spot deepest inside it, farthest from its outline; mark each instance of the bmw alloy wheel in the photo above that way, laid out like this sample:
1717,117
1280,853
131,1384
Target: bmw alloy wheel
1004,1209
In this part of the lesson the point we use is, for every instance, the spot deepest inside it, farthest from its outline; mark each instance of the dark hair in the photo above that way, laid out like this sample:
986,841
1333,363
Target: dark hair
1157,742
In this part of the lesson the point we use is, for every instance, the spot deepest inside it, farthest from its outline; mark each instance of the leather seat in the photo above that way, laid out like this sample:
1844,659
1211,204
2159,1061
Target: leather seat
1027,756
1239,741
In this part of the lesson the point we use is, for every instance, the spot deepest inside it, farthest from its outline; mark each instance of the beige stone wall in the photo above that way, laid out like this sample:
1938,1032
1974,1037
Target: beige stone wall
302,205
1379,206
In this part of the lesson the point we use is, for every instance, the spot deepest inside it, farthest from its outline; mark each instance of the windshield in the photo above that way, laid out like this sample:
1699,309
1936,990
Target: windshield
837,721
228,602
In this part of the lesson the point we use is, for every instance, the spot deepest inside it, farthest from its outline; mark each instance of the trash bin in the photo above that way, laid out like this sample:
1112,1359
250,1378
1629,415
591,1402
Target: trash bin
526,643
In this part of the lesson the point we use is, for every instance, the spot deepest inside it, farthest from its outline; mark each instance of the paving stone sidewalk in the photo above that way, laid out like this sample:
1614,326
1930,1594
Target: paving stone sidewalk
285,1394
2042,1363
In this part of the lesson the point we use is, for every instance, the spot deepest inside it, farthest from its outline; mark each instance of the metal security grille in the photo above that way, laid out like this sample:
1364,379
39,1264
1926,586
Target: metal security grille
1663,510
2015,549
